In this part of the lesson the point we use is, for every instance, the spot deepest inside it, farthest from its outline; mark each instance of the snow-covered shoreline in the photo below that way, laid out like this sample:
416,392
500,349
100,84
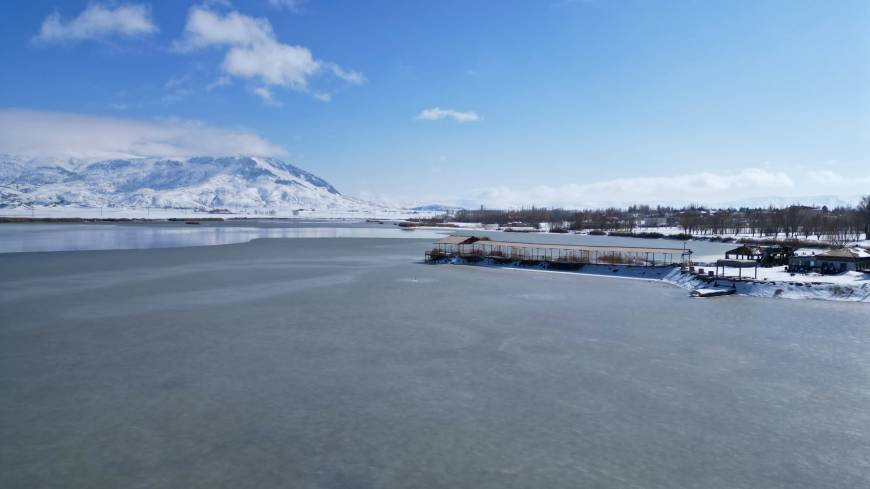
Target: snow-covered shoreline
170,213
668,233
857,290
844,291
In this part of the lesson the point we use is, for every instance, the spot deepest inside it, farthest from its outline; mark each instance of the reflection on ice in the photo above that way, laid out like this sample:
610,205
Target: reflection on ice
16,238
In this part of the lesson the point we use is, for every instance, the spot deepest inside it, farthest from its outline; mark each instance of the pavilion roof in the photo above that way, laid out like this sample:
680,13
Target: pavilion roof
579,247
846,253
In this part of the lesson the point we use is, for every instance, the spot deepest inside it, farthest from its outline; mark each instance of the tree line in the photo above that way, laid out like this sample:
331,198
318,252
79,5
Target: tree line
838,224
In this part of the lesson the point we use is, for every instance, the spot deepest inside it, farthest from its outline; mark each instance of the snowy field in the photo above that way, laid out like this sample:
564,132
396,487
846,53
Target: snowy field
779,274
847,287
779,236
668,231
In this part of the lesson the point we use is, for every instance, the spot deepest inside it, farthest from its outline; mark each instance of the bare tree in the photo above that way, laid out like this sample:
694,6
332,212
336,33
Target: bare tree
864,212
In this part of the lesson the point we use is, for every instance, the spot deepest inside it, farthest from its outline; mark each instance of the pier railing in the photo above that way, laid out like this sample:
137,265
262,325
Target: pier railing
566,257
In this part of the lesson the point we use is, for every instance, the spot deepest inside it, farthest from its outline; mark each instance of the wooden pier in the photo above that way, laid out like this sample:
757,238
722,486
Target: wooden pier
475,248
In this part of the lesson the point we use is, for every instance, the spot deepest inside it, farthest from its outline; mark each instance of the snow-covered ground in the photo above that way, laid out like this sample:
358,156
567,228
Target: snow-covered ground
668,231
850,286
779,274
161,213
780,236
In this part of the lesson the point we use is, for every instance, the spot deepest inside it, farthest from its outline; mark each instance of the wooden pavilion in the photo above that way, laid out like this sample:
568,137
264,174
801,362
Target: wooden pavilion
481,247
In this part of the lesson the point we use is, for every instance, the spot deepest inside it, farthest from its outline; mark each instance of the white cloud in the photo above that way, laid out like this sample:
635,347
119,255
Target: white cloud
221,81
177,88
266,94
98,21
255,53
826,177
697,187
439,113
291,5
61,136
273,63
206,27
177,81
350,76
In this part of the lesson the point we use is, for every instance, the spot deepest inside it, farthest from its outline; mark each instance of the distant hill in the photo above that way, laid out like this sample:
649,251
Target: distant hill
204,182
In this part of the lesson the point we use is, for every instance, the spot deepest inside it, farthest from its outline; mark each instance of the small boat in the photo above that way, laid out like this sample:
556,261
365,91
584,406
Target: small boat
712,292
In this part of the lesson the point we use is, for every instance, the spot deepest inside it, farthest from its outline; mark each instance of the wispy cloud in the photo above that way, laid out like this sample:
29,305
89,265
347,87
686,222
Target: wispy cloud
291,5
350,76
221,81
177,81
62,136
699,187
437,113
178,88
98,21
266,95
253,51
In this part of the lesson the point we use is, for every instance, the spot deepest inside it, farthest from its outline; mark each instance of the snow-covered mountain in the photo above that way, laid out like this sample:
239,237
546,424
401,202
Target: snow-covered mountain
234,182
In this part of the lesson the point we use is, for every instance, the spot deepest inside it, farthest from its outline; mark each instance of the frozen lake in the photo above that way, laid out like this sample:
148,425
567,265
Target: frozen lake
17,238
334,363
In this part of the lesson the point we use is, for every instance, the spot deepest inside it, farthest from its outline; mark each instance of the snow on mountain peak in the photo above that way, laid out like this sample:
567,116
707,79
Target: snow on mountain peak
199,182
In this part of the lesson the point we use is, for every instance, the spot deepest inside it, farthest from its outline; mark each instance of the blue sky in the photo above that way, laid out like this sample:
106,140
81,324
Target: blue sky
495,102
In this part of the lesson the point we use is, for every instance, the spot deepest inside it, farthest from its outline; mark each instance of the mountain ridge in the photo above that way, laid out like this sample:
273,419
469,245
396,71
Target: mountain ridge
199,182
